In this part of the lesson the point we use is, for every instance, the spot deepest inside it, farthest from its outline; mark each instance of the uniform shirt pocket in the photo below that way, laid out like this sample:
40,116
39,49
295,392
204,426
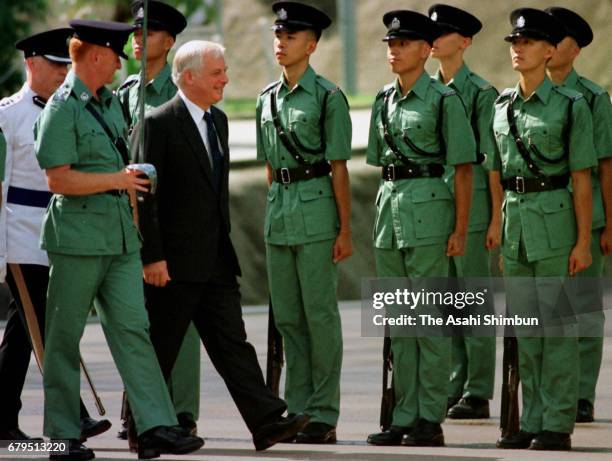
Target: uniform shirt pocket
433,211
559,219
306,127
318,206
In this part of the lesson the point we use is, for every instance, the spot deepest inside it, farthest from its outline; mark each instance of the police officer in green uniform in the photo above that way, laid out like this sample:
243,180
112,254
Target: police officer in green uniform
304,134
472,357
418,125
578,34
544,138
93,248
164,23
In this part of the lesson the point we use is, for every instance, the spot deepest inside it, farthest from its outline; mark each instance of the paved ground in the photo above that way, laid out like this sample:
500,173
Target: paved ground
227,438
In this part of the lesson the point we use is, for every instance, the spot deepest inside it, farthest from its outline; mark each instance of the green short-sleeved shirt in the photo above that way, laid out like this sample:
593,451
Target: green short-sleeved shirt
545,221
2,155
158,91
601,112
478,97
418,211
303,211
67,134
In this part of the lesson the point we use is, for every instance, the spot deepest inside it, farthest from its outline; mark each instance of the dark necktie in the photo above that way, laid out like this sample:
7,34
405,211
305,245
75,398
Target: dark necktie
215,152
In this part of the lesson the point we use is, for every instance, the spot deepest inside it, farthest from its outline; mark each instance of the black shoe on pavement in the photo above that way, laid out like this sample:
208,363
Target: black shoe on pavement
164,439
425,434
281,429
16,434
187,423
552,441
390,437
451,402
585,413
316,432
519,440
91,427
76,452
470,408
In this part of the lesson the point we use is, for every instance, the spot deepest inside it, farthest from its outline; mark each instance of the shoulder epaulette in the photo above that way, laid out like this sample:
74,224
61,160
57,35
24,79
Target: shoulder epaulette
129,82
5,102
507,93
269,87
480,82
62,93
591,86
573,95
384,90
441,88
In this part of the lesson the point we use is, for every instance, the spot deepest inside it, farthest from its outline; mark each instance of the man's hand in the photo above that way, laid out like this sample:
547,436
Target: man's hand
156,274
130,180
494,233
580,259
343,247
456,244
606,240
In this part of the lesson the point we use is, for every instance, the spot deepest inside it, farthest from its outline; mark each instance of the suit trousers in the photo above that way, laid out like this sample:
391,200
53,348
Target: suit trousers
113,284
16,348
214,308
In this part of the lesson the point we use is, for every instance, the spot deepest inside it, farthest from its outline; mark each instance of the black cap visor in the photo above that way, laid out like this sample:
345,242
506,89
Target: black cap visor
530,33
404,34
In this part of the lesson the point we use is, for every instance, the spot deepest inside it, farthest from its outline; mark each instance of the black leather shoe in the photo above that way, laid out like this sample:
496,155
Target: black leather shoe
553,441
521,439
187,423
425,434
281,429
470,408
390,437
451,402
122,434
164,439
585,413
91,427
76,452
317,433
16,434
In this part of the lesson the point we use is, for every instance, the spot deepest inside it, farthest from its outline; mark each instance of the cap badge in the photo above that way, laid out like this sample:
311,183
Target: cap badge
520,22
434,16
140,13
395,24
282,14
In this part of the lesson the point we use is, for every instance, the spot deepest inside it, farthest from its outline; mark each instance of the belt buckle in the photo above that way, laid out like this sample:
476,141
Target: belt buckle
520,184
391,171
285,176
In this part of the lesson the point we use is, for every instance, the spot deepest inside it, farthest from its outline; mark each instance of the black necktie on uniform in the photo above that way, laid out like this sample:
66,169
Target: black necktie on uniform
215,152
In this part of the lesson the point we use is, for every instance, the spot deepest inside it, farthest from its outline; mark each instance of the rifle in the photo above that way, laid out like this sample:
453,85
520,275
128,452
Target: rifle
509,415
387,401
274,360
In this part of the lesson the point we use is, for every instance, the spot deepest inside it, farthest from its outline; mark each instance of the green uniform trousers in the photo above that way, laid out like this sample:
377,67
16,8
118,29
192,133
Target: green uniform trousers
591,324
114,285
547,364
420,364
184,382
303,281
473,357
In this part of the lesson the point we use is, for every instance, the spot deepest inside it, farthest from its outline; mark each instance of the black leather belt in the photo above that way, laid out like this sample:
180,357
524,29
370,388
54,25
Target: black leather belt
395,172
301,173
115,193
522,185
28,197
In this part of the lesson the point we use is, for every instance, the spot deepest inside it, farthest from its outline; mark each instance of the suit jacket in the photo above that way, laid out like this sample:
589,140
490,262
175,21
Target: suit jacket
186,220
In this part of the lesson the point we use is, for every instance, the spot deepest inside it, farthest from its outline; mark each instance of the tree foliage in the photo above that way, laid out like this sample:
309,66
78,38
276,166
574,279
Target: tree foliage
16,17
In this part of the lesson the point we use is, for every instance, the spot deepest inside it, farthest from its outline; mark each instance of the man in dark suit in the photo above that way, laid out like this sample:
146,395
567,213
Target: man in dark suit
190,266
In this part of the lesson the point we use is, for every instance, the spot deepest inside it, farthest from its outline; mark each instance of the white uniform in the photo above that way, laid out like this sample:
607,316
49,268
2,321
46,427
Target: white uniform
25,191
